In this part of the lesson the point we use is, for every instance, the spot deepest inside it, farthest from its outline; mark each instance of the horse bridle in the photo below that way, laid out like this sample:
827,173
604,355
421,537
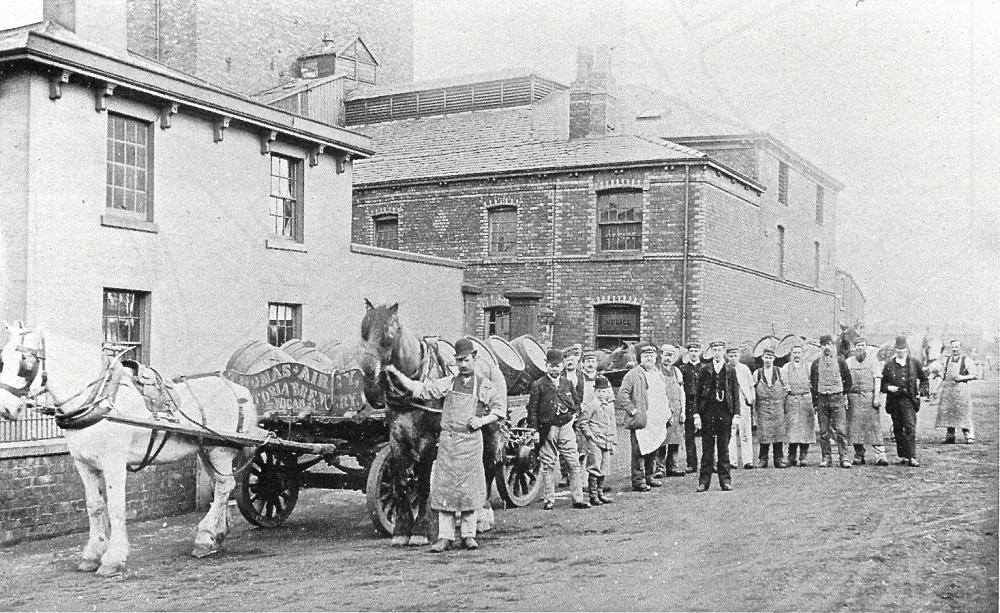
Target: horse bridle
29,374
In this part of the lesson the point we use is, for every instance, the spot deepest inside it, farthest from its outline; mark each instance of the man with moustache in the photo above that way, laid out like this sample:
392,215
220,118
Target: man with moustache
769,410
863,404
829,380
903,382
800,414
666,455
690,367
955,406
643,398
718,404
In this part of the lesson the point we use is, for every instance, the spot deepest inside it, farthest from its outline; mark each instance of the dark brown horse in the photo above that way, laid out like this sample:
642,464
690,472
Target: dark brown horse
414,425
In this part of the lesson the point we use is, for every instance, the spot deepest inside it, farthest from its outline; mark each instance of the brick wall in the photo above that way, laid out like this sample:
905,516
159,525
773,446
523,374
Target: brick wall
233,44
43,495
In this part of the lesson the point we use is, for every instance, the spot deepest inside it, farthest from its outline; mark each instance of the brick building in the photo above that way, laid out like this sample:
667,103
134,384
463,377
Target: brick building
147,207
618,236
850,299
249,47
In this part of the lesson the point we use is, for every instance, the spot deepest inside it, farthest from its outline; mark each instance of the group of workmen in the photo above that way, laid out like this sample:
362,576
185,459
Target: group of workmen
668,400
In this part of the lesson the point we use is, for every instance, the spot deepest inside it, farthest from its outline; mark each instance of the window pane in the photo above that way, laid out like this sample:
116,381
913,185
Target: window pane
127,164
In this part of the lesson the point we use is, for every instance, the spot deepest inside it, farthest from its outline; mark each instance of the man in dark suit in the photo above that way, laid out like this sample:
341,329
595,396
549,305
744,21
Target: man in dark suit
718,403
689,370
903,382
830,380
552,410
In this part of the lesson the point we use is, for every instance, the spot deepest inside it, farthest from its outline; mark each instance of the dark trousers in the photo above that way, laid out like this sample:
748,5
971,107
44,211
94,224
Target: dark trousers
715,432
831,410
904,428
642,465
689,436
779,453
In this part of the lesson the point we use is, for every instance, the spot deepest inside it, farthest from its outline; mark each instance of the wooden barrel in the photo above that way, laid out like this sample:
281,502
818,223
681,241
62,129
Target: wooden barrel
511,365
785,345
811,351
486,365
533,355
766,342
255,356
307,353
347,355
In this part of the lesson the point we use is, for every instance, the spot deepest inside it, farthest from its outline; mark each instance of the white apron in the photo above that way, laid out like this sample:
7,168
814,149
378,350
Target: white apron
955,404
657,413
458,481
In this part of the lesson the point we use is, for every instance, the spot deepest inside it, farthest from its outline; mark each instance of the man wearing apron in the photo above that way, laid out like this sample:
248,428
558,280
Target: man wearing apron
769,410
458,481
863,405
800,414
955,408
666,455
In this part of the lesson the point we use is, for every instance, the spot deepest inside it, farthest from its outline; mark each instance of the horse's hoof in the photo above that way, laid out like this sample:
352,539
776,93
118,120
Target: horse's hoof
201,551
110,571
88,566
399,541
418,541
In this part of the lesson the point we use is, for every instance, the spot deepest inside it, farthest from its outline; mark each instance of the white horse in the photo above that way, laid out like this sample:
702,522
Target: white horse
49,370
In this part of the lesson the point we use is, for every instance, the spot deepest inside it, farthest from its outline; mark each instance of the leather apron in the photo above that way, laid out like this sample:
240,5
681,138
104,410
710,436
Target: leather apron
863,425
458,480
769,410
800,414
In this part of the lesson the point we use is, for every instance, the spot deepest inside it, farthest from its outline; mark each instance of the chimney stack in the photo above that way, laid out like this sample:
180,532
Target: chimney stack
102,22
591,103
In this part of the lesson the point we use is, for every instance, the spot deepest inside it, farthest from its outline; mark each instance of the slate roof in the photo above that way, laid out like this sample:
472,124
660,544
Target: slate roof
465,79
466,162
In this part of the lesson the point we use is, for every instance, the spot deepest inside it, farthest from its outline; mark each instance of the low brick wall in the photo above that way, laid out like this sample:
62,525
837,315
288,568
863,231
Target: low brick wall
42,494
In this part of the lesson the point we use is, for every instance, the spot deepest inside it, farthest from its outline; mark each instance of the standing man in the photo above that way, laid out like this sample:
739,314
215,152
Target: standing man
643,397
741,438
829,379
769,410
903,382
955,408
800,414
718,404
863,427
690,368
571,359
552,408
458,488
666,455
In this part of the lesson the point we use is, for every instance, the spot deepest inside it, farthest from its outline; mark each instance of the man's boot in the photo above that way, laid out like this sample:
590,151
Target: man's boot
595,499
859,455
600,492
949,437
803,454
779,456
826,461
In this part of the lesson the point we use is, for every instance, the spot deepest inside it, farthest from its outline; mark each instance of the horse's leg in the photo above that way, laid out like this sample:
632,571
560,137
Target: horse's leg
214,527
113,560
400,471
97,513
491,453
422,488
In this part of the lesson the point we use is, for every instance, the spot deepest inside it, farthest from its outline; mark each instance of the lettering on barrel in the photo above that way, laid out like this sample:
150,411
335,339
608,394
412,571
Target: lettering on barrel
292,388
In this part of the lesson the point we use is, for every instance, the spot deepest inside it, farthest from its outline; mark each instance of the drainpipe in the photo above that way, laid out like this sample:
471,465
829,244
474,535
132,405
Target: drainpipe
684,261
159,54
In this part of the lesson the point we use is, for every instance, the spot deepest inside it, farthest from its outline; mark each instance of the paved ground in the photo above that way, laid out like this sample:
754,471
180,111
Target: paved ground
869,538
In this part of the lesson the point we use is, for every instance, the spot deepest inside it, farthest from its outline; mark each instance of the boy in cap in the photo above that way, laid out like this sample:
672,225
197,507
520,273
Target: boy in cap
597,422
718,404
458,488
830,379
643,397
552,409
690,367
903,382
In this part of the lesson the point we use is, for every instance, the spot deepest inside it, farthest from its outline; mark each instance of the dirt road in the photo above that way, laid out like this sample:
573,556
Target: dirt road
870,538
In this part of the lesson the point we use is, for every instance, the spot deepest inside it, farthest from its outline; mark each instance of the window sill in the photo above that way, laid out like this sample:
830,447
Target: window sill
603,256
283,244
114,220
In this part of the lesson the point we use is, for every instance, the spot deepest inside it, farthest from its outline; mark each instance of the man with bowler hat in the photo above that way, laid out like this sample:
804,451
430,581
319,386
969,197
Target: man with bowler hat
690,367
552,410
903,382
718,403
830,380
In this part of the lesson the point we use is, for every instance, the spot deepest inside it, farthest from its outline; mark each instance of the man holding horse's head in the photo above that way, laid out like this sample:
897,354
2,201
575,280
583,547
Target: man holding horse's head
459,485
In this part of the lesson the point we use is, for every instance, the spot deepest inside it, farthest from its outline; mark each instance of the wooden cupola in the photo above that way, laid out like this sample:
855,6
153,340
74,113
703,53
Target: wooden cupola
347,55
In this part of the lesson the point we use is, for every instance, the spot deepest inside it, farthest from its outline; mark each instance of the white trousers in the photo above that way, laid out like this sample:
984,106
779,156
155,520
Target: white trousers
741,441
446,524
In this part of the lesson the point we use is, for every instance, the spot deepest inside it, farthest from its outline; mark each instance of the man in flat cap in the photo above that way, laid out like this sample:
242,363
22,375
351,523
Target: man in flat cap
770,389
690,367
830,379
863,404
643,397
718,404
666,455
800,414
458,488
904,382
552,410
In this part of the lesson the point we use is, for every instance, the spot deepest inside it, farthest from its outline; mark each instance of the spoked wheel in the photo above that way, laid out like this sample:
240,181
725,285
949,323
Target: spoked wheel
268,487
517,481
378,494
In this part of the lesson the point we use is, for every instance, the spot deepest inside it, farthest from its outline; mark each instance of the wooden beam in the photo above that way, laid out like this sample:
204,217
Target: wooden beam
56,82
265,141
219,127
167,111
101,96
315,154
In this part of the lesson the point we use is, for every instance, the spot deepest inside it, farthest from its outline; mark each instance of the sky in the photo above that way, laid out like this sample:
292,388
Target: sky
899,100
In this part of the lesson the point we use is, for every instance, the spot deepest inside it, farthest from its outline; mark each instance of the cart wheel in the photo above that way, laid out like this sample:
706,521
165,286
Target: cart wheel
268,487
378,494
517,480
